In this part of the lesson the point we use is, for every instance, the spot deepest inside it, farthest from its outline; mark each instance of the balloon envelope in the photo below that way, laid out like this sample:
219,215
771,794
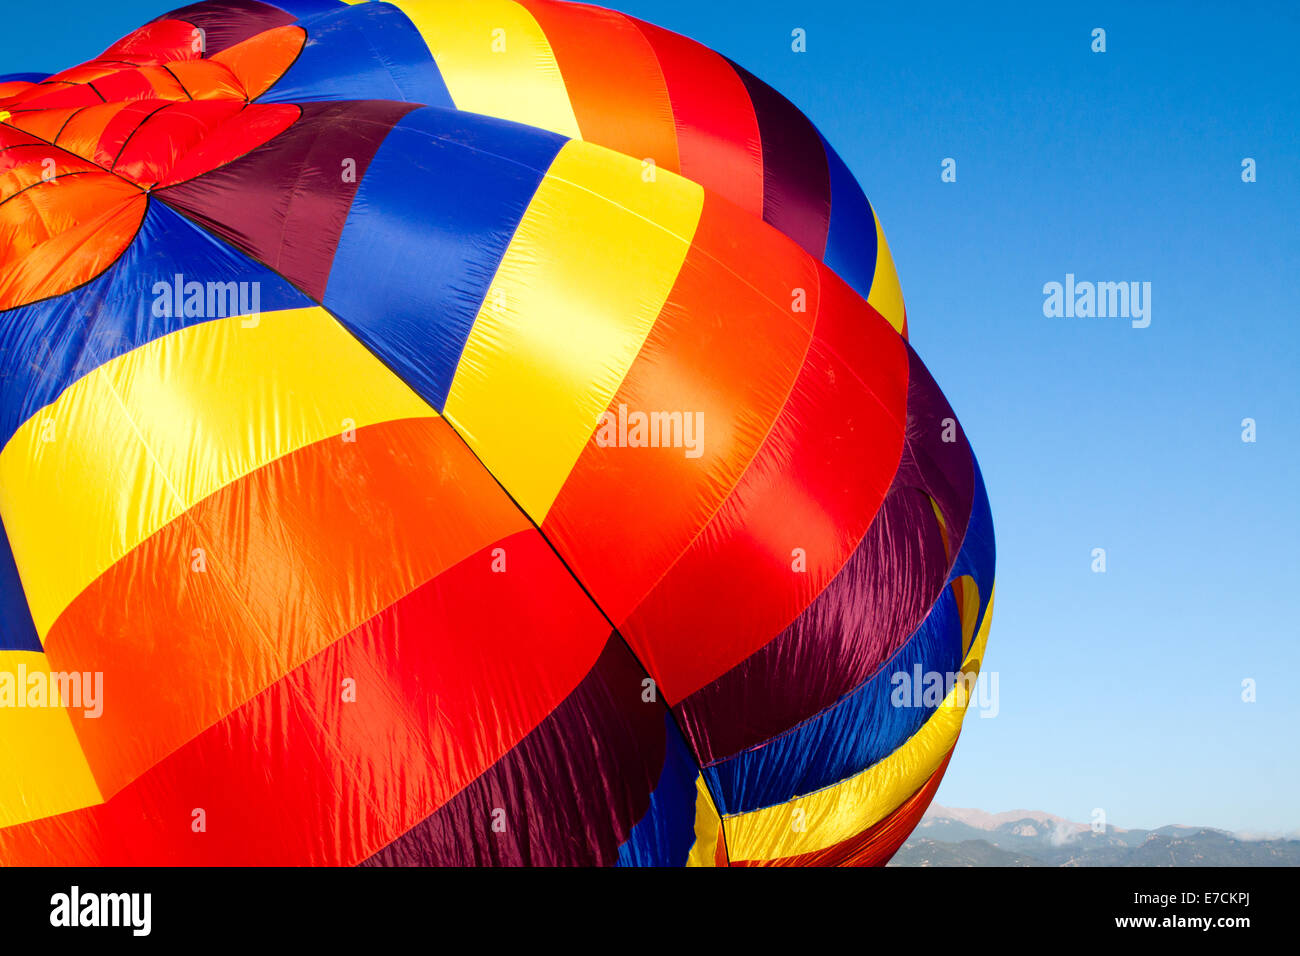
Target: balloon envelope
458,433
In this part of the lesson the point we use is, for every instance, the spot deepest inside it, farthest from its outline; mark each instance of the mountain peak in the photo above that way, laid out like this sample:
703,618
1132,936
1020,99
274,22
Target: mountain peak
983,820
955,836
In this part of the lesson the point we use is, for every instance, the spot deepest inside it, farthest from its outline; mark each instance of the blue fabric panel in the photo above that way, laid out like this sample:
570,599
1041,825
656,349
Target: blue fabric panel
862,727
978,550
306,8
48,345
851,237
367,52
17,631
665,835
428,227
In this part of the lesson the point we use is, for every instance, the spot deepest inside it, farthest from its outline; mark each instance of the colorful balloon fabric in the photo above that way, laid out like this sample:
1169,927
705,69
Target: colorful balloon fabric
460,432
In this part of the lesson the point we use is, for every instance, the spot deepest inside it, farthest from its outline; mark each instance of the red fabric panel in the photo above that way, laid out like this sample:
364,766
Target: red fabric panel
447,680
570,792
879,598
163,39
718,143
159,149
815,485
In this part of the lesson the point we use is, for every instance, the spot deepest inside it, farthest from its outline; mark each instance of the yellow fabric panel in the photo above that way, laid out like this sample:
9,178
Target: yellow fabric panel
967,594
575,296
142,438
42,769
835,813
886,294
708,828
943,527
496,60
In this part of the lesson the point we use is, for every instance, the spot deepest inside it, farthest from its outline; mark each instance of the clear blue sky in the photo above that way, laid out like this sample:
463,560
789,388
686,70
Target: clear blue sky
1119,690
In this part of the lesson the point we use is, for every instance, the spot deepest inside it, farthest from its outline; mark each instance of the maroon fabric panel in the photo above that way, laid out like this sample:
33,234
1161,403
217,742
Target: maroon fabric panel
944,469
227,22
796,176
875,603
570,792
285,202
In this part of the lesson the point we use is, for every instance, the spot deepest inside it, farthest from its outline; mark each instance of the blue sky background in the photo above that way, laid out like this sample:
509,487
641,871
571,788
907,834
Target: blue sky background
1119,690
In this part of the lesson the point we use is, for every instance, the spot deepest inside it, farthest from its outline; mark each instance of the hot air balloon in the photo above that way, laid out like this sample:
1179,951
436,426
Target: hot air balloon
461,432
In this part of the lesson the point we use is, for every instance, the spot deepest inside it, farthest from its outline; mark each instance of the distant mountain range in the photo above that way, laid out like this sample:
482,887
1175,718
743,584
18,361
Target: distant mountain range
956,837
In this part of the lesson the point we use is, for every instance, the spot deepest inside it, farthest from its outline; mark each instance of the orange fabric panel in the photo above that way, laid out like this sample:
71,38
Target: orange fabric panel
726,345
23,164
295,555
615,86
45,211
45,254
44,124
447,680
262,59
206,80
12,87
82,132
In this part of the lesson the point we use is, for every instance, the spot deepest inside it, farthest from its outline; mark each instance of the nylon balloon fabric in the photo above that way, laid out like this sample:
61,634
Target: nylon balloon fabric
461,432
